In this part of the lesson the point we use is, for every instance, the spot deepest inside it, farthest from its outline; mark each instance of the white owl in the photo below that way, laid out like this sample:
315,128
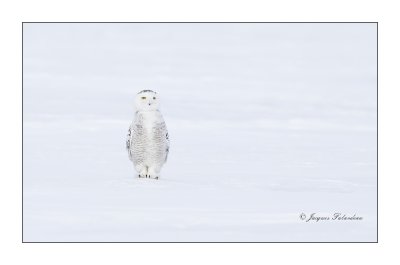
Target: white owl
147,141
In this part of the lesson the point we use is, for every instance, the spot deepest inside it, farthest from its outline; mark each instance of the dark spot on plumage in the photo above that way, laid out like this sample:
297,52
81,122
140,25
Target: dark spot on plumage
147,90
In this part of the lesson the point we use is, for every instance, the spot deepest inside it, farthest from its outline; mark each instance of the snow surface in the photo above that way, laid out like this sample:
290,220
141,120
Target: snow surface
266,121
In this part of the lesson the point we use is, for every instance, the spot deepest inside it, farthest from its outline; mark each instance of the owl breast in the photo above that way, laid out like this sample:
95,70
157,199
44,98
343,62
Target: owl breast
149,139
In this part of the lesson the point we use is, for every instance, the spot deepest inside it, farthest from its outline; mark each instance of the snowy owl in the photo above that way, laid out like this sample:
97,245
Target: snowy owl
147,141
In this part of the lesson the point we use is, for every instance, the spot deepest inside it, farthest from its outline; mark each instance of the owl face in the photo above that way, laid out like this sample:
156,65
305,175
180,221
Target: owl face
146,100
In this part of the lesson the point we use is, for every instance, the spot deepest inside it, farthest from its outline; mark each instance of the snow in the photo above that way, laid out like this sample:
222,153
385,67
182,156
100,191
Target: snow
266,121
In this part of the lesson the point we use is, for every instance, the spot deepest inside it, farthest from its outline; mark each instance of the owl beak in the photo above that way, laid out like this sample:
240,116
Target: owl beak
149,104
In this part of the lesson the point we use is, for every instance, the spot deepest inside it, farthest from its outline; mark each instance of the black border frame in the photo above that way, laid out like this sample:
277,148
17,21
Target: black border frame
377,131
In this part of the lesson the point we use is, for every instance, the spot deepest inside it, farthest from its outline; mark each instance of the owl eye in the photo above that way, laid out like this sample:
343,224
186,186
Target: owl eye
154,97
143,97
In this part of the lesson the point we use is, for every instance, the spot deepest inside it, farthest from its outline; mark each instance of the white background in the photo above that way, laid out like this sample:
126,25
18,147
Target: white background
311,11
266,121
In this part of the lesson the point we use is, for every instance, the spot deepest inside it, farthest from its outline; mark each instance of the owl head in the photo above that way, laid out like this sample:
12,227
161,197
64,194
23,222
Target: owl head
146,100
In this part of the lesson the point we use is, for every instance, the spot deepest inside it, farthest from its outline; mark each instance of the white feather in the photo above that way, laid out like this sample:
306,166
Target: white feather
148,141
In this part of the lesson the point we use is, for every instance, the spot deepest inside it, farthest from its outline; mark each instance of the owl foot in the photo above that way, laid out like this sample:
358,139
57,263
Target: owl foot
143,174
142,170
153,173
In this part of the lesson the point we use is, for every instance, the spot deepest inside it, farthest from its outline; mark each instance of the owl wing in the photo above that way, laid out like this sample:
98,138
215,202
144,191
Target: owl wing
129,141
134,132
167,145
164,131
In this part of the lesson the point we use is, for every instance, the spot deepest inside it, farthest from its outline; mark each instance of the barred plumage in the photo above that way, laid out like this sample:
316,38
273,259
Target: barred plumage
148,140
